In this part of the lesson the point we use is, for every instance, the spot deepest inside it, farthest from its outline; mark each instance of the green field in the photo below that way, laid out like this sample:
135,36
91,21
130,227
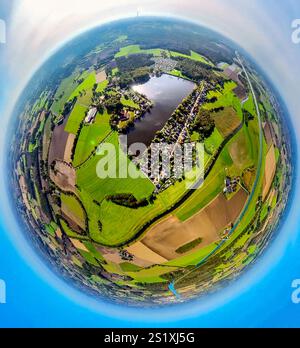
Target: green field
76,117
102,86
194,56
212,186
84,89
99,188
73,205
63,93
225,98
192,259
177,73
51,228
90,136
135,49
129,103
189,246
151,275
127,50
213,142
114,71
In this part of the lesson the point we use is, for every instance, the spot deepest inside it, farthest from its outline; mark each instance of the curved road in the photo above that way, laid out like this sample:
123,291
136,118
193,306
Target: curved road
259,165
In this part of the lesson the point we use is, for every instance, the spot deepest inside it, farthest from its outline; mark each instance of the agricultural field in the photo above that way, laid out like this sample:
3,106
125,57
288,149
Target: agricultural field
76,117
90,137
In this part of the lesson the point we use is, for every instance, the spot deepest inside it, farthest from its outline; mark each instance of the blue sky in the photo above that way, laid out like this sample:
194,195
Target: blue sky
35,297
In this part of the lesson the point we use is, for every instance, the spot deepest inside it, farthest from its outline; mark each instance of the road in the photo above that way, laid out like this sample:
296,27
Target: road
259,165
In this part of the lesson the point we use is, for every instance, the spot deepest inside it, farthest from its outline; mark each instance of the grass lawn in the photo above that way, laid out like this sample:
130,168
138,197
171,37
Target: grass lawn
76,117
130,103
213,142
90,137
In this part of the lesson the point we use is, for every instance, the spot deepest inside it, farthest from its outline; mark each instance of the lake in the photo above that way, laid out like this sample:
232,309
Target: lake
166,92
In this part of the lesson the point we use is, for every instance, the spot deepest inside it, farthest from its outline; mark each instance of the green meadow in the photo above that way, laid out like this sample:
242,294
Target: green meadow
91,136
76,117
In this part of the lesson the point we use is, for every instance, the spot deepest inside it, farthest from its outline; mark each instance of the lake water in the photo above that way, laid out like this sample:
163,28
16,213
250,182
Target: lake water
166,92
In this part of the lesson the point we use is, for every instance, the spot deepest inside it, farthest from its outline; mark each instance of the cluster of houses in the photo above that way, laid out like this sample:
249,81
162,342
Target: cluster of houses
176,131
231,184
144,106
164,65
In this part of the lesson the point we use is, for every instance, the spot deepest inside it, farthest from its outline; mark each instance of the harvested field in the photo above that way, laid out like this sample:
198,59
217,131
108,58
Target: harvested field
64,176
240,150
112,255
170,234
268,134
269,171
46,139
68,148
101,76
227,121
79,245
141,251
240,92
58,143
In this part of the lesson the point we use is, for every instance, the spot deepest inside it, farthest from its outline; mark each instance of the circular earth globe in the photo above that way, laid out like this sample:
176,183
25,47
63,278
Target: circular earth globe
151,163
